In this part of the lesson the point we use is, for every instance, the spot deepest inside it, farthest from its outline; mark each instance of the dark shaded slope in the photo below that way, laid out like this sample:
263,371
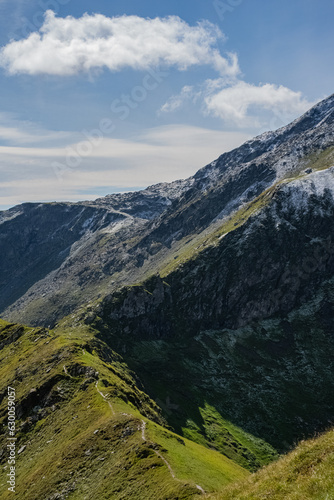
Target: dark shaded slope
246,326
38,239
270,264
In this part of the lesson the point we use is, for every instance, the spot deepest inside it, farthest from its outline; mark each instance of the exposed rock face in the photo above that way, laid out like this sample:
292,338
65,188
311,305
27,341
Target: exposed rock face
271,264
56,256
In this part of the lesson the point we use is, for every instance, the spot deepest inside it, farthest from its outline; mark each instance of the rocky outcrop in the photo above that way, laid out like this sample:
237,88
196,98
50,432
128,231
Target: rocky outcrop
56,257
272,263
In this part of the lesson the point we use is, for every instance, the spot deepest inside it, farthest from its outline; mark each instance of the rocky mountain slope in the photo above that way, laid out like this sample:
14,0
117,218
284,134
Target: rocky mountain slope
45,246
57,256
204,308
245,309
271,377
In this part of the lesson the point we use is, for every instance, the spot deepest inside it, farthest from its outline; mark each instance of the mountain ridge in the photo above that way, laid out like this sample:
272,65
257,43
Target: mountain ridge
193,324
126,235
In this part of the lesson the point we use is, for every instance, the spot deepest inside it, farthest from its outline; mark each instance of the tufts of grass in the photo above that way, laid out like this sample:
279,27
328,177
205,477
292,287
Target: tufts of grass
81,425
304,474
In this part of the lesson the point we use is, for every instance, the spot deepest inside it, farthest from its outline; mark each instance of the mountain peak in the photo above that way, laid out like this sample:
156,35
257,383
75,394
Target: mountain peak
126,235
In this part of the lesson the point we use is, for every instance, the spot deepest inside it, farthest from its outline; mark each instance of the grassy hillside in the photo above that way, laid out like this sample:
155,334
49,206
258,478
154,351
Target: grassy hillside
304,474
181,377
85,428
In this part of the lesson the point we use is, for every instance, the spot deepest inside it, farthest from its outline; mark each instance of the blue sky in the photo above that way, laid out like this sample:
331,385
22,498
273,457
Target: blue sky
106,96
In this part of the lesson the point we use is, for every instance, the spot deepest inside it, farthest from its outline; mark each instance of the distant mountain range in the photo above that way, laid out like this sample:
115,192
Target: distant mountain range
203,307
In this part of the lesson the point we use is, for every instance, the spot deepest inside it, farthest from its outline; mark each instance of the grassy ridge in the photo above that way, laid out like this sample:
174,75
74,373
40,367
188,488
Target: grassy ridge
86,430
304,474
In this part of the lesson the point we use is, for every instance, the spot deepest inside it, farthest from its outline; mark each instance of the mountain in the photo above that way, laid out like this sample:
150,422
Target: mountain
57,256
52,249
85,429
200,312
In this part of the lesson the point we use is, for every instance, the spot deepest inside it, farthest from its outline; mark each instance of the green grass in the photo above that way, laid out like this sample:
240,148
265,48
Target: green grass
320,160
188,460
304,474
240,446
168,370
81,445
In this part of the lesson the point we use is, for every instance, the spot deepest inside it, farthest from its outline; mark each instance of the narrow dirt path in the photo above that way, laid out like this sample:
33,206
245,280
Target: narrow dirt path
104,397
143,428
66,372
143,436
200,488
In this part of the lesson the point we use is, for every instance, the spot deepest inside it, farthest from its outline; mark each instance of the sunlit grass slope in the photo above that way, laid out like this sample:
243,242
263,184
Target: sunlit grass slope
86,429
307,473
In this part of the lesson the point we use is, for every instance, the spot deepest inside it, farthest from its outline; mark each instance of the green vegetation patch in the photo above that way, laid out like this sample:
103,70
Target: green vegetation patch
84,425
304,474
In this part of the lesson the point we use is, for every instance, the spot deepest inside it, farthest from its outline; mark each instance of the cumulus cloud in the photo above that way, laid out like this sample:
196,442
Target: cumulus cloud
67,46
242,103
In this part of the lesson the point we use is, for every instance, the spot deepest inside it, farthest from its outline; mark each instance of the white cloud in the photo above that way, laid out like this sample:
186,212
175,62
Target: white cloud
242,103
161,154
237,103
176,102
67,46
